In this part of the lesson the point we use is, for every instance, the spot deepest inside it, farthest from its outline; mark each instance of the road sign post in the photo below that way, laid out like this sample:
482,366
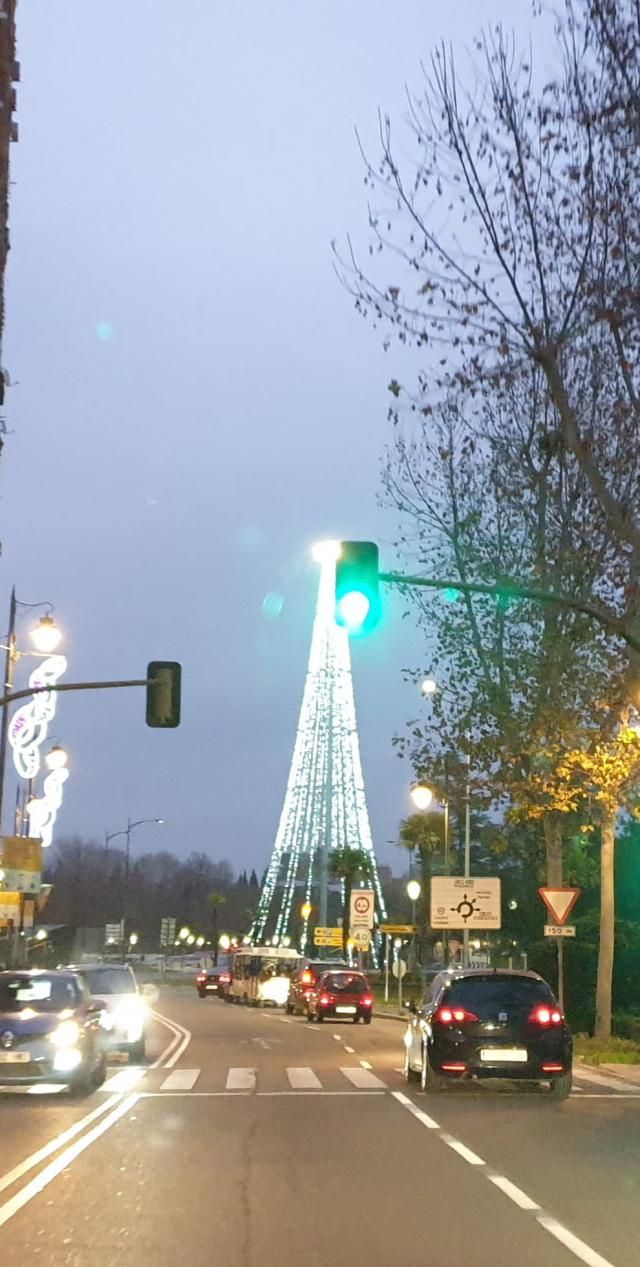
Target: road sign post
464,902
560,902
399,969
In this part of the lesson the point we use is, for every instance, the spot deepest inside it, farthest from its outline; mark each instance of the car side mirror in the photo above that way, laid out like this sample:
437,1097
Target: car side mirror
95,1007
150,992
411,1006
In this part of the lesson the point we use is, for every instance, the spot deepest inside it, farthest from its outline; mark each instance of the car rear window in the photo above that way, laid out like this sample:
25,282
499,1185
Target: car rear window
109,980
345,983
43,994
488,995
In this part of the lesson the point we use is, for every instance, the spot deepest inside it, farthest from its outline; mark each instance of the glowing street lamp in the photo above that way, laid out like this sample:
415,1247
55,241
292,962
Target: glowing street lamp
414,889
46,635
133,939
224,941
305,910
429,686
184,933
56,758
421,796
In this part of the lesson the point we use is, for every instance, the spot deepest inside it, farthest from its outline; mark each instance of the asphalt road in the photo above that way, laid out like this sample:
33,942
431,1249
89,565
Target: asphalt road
252,1140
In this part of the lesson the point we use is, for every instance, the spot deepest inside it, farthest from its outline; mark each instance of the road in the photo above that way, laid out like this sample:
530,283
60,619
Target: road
251,1136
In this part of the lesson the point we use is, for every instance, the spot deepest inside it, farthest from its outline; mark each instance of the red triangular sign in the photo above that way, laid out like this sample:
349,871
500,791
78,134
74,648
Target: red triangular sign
560,902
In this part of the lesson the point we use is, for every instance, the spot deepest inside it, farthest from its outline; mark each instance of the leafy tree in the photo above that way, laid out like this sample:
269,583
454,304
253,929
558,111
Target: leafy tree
215,901
349,866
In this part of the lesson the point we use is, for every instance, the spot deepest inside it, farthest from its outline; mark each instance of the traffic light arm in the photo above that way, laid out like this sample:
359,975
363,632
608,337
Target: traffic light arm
609,621
70,686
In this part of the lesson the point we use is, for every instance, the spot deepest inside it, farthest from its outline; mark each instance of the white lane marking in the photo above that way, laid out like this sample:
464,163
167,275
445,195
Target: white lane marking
573,1243
172,1041
362,1078
610,1095
462,1149
351,1050
399,1070
125,1079
302,1077
262,1042
61,1163
182,1046
286,1020
241,1080
582,1251
53,1145
365,1063
357,1094
605,1080
180,1080
513,1192
415,1111
338,1037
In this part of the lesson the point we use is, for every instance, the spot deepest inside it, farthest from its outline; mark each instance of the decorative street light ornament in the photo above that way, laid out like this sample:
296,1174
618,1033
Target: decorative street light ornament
29,725
43,810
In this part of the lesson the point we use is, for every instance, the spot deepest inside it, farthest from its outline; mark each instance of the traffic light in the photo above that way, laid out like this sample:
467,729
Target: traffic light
164,679
357,587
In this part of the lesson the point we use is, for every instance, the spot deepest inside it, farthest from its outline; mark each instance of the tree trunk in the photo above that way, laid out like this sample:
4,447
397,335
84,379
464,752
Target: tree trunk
604,985
214,926
553,842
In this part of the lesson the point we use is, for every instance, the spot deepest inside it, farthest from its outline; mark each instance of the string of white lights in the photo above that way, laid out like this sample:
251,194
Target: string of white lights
325,804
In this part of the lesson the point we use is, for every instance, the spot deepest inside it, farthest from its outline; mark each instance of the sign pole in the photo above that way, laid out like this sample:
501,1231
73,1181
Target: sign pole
386,967
560,942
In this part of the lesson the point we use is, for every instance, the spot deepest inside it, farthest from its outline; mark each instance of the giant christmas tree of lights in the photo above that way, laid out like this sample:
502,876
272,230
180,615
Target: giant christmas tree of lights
325,806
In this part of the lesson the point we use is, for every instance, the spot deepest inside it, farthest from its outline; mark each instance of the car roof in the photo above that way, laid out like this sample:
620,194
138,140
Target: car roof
64,973
96,967
458,973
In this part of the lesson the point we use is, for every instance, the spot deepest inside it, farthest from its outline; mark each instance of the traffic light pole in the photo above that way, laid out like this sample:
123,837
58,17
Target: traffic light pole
70,686
613,623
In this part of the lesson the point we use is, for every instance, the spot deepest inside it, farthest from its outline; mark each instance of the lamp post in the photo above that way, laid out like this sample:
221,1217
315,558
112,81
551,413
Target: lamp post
127,859
414,889
45,636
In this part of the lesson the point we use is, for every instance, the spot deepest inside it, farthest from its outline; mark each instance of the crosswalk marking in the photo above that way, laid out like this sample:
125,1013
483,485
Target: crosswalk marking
124,1079
181,1080
303,1079
241,1080
363,1079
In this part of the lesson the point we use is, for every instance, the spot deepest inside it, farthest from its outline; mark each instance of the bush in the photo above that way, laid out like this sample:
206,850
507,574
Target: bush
606,1051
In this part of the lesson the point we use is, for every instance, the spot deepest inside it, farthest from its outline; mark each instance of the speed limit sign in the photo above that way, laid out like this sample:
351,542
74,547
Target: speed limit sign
362,908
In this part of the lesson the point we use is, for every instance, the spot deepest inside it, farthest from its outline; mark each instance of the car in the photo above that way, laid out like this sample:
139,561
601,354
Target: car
213,981
344,995
488,1023
125,1009
303,981
50,1031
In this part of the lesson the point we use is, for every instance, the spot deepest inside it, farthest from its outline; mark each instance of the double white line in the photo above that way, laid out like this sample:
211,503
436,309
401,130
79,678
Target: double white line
114,1108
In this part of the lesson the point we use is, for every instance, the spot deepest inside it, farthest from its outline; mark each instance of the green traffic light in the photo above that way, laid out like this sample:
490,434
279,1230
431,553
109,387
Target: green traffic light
357,587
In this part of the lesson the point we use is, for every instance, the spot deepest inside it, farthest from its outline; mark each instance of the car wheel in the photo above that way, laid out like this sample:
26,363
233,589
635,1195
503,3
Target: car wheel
560,1088
289,1009
137,1052
319,1018
82,1084
430,1081
100,1072
355,1019
309,1016
366,1020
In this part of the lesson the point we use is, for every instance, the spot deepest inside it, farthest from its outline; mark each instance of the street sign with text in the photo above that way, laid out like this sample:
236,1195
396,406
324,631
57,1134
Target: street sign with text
327,936
406,930
559,902
465,902
362,908
361,938
559,930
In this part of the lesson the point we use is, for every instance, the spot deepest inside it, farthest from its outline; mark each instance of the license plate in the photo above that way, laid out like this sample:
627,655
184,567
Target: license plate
346,1011
504,1055
15,1057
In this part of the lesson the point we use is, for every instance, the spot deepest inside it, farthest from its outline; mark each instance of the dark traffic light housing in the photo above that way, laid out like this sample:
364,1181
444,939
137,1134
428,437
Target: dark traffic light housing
357,586
164,683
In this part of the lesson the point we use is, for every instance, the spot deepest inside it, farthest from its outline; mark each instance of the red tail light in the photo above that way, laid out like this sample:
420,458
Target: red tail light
202,976
545,1016
451,1015
224,978
456,1066
367,1000
325,1000
552,1068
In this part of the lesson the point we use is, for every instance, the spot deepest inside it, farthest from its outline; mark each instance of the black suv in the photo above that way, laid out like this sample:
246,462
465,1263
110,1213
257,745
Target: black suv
303,981
488,1024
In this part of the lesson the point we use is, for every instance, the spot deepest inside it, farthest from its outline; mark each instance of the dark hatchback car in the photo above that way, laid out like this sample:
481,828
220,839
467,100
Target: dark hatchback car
303,981
213,981
50,1031
489,1024
345,996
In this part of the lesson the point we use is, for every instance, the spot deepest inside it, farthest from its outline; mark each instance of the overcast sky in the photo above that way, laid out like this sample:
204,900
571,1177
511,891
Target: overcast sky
180,174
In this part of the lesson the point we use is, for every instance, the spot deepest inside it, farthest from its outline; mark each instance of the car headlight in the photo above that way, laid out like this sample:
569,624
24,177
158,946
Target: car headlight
130,1017
66,1034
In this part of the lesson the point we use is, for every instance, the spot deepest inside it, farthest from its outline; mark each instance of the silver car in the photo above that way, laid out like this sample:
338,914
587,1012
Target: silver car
125,1010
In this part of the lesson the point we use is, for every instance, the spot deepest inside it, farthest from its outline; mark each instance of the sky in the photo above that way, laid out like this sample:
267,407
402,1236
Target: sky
194,399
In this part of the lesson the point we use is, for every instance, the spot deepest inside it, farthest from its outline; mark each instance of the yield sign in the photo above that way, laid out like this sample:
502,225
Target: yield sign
560,902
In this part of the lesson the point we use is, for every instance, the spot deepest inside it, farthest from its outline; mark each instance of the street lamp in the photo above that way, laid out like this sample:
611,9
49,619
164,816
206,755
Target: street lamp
305,910
127,858
421,796
429,686
224,941
46,635
56,758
